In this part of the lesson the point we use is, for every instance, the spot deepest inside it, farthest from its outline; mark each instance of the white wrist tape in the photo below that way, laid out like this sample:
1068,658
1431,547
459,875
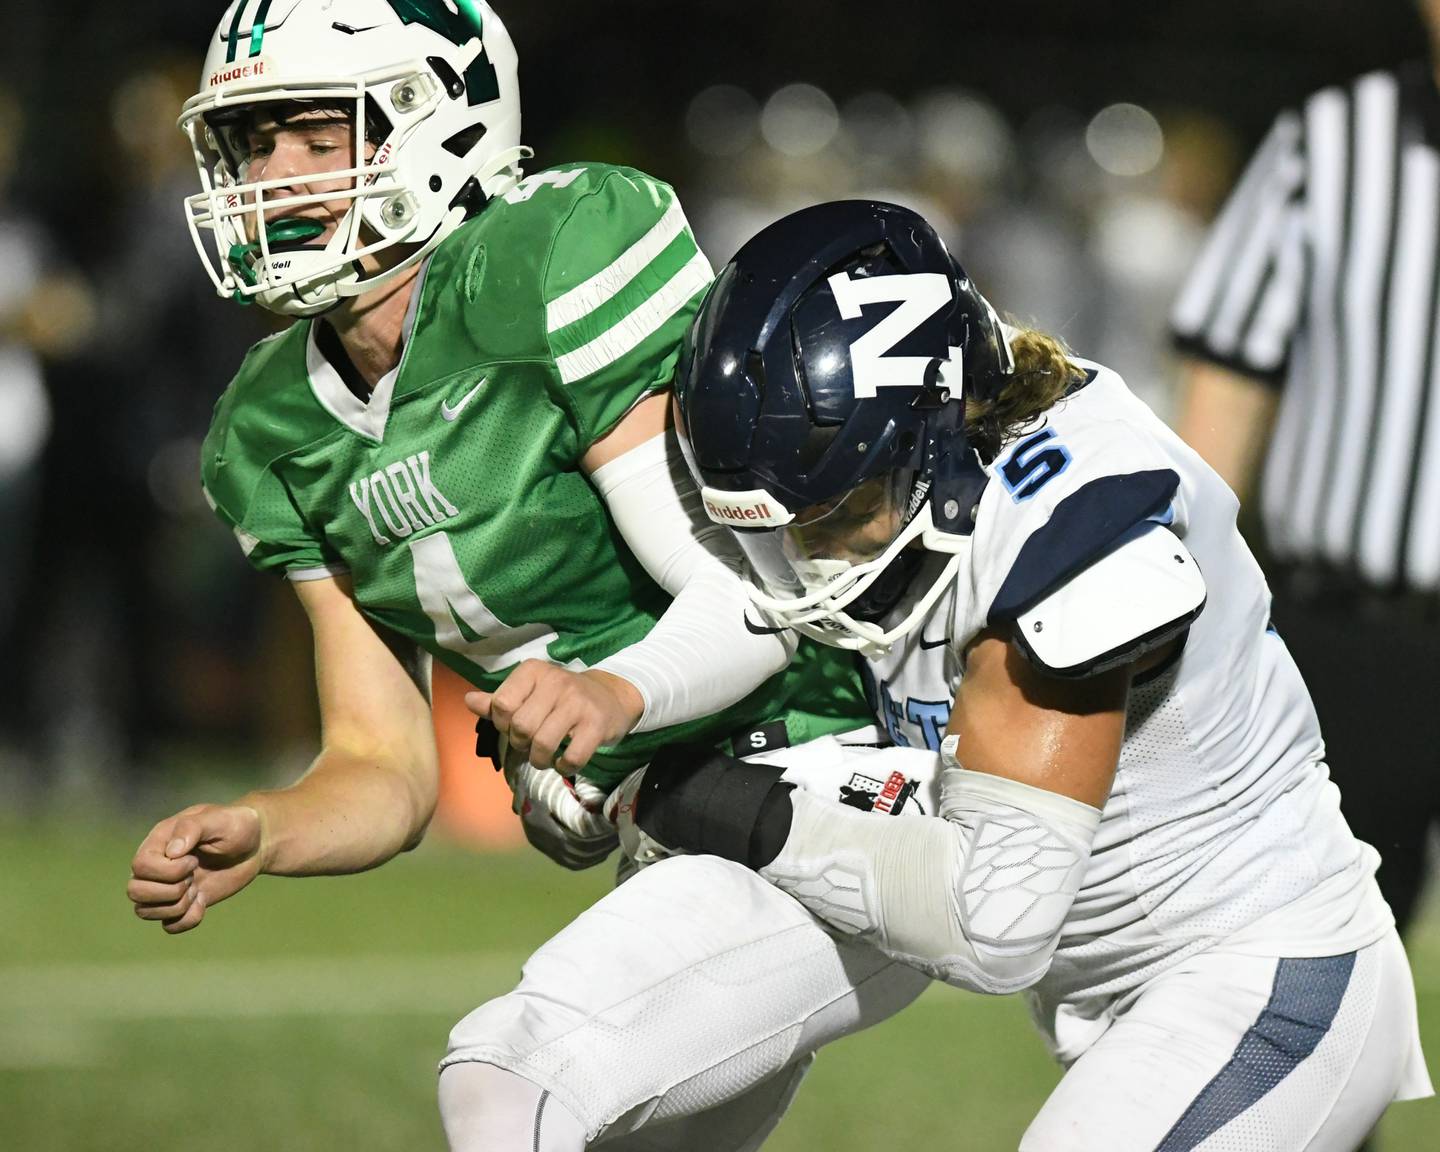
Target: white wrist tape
700,658
976,898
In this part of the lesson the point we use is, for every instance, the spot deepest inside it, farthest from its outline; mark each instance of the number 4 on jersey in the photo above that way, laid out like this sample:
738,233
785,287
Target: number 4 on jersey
462,622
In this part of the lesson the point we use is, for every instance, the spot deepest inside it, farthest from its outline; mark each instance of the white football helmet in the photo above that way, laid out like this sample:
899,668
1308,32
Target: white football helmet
434,88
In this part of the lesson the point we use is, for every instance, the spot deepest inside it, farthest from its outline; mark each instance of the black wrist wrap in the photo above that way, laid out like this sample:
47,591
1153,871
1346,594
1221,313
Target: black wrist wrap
701,800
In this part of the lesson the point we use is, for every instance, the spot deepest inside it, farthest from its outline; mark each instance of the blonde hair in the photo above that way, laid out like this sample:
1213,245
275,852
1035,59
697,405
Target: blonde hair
1043,374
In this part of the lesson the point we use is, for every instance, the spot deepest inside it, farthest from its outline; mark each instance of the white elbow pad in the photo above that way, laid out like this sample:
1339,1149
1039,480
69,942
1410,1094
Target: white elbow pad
976,899
1026,857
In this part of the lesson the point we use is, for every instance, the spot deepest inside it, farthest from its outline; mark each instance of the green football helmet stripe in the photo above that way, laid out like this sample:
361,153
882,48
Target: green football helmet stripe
482,85
257,30
459,27
234,34
471,10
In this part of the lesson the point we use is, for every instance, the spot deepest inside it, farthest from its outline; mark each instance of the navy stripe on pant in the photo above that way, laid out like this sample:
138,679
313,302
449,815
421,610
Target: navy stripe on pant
1302,1006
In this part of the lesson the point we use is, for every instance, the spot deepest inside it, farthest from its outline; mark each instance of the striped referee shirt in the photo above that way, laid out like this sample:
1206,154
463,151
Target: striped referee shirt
1320,276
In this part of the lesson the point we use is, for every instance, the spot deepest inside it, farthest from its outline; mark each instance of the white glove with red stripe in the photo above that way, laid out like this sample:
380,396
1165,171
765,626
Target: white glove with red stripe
562,816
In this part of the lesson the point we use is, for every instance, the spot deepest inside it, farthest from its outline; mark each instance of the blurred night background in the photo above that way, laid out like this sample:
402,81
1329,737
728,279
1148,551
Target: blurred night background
1072,154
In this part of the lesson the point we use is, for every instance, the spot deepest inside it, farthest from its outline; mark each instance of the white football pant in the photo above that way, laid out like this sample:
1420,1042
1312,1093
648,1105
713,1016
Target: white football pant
694,990
1227,1052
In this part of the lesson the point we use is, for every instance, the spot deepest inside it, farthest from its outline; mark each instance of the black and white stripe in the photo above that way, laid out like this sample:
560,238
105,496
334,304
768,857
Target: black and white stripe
1321,275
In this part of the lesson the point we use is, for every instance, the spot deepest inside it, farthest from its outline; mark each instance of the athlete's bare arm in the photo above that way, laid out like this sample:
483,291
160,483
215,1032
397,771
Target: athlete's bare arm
1060,735
1226,416
368,795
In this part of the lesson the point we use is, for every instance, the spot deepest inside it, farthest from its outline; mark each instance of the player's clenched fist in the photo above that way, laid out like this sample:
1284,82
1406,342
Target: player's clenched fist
542,705
192,860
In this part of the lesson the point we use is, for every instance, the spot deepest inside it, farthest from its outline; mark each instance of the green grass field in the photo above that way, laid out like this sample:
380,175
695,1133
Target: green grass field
309,1014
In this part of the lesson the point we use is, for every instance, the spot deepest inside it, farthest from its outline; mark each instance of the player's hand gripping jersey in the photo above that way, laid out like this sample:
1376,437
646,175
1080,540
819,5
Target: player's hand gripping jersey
453,497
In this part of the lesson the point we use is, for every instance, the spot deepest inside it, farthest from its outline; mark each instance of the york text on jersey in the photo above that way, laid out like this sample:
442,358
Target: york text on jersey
401,496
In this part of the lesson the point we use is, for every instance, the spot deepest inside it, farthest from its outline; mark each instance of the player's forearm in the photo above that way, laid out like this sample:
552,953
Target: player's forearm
348,813
976,898
701,656
1226,416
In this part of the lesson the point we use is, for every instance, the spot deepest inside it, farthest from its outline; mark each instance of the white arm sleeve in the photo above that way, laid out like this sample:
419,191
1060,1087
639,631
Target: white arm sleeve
976,899
700,657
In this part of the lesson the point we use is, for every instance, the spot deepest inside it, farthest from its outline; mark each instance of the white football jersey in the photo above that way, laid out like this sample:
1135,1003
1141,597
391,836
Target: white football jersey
1222,822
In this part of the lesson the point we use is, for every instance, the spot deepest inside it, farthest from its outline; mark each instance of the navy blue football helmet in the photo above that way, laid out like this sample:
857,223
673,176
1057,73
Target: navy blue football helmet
821,394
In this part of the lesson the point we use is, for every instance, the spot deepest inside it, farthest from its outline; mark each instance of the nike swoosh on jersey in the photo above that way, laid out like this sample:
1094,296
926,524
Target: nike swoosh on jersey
924,643
758,630
449,413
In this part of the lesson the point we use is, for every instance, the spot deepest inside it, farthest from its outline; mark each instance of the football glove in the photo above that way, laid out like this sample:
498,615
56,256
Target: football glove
637,844
562,817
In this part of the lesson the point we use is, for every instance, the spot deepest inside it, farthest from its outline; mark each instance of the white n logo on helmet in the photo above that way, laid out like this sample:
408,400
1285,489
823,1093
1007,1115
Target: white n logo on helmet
920,295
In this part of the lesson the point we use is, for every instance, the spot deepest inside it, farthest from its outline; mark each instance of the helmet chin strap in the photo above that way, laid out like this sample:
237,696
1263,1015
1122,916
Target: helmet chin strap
305,298
502,172
286,234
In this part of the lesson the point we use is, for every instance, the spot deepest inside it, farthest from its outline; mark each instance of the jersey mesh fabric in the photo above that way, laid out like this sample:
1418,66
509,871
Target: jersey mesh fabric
1180,860
1161,747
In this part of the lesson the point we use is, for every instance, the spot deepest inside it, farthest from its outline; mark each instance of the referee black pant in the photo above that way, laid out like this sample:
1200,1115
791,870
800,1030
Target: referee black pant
1372,664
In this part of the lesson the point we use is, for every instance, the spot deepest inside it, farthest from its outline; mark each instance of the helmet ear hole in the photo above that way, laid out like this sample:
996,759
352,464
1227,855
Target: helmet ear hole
463,141
755,370
378,126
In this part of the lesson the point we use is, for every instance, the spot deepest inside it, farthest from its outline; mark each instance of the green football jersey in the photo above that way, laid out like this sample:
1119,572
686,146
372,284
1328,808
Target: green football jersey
453,497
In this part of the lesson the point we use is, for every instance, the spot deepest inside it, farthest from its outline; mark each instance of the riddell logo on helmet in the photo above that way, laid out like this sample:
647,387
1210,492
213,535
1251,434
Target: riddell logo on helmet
246,71
759,511
378,159
756,507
